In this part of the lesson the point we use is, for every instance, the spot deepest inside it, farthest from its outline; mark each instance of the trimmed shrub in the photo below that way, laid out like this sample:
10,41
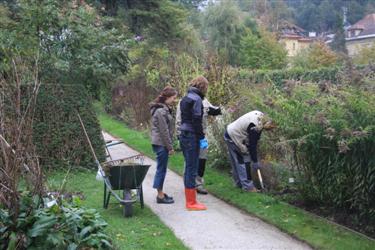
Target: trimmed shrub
58,134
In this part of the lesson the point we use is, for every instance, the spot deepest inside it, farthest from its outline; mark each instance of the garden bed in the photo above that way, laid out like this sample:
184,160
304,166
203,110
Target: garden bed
341,217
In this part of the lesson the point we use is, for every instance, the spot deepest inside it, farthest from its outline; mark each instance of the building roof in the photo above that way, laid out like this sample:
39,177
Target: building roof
306,40
288,25
366,25
297,38
291,36
286,28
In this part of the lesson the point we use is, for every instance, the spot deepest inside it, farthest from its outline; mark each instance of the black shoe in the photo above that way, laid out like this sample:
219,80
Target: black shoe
168,197
164,200
201,190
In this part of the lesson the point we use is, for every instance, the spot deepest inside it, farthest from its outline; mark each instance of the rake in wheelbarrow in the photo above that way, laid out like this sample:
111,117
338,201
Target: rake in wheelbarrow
125,174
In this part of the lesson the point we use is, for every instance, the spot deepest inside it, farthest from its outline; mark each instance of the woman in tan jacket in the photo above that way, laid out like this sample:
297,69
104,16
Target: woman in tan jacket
162,127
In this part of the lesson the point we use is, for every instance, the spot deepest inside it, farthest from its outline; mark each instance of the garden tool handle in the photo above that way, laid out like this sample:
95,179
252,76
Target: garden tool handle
14,152
260,178
87,137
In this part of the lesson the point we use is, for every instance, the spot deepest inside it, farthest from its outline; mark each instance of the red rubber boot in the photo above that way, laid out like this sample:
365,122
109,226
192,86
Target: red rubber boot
191,200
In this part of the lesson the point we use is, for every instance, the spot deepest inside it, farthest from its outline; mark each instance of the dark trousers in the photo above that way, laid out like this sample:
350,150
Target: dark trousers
189,144
240,169
201,167
161,165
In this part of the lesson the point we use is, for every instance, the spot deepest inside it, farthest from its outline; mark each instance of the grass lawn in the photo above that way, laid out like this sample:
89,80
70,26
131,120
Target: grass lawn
317,232
142,231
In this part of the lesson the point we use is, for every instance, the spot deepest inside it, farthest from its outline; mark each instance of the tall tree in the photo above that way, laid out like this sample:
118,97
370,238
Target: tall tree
321,15
307,16
191,4
71,40
223,27
262,52
338,43
327,18
161,19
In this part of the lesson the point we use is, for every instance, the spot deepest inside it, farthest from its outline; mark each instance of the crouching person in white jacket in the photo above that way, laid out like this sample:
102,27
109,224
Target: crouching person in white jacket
241,137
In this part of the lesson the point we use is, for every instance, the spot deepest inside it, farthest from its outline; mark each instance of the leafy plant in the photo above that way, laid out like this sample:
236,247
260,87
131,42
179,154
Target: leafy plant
62,226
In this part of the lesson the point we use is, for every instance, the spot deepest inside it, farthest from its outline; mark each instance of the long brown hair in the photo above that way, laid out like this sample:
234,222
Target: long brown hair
200,83
165,94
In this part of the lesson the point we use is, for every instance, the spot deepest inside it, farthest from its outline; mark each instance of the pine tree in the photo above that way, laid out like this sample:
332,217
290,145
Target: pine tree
338,43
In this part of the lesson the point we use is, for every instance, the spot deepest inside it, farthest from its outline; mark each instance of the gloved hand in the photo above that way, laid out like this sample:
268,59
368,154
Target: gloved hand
214,111
203,143
255,166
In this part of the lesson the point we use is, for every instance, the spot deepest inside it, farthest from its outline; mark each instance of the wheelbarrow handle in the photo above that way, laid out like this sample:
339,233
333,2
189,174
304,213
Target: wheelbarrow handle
113,143
260,178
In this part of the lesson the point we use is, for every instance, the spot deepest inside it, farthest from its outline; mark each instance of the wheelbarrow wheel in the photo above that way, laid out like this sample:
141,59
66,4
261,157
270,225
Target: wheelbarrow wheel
128,206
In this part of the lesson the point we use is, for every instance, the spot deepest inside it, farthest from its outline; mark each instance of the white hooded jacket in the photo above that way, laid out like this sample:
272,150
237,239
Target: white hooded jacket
237,130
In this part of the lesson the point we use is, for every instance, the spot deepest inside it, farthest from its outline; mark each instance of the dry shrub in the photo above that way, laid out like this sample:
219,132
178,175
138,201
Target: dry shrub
18,159
130,102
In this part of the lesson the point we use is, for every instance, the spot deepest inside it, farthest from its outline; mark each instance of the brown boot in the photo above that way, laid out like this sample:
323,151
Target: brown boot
191,200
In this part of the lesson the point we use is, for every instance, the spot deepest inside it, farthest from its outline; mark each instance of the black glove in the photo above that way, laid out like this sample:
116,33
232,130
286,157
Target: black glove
255,166
214,111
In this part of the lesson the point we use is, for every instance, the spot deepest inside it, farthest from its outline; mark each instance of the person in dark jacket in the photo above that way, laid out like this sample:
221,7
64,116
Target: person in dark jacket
162,127
241,137
208,110
192,137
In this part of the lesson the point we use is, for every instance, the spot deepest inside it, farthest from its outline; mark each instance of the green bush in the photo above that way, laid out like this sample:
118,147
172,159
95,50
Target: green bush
278,77
336,75
61,226
262,52
58,135
316,56
327,133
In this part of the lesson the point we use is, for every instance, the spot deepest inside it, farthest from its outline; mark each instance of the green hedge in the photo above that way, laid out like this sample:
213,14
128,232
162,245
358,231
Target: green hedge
58,135
278,77
335,75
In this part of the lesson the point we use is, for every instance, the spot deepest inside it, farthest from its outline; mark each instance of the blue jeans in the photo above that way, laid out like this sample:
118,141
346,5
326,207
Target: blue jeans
161,165
189,144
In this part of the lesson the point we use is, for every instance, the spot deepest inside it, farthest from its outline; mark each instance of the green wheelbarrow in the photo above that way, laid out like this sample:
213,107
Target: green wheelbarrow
124,175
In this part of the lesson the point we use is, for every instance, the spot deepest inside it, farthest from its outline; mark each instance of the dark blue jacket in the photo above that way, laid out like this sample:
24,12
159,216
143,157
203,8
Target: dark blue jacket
192,112
254,137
